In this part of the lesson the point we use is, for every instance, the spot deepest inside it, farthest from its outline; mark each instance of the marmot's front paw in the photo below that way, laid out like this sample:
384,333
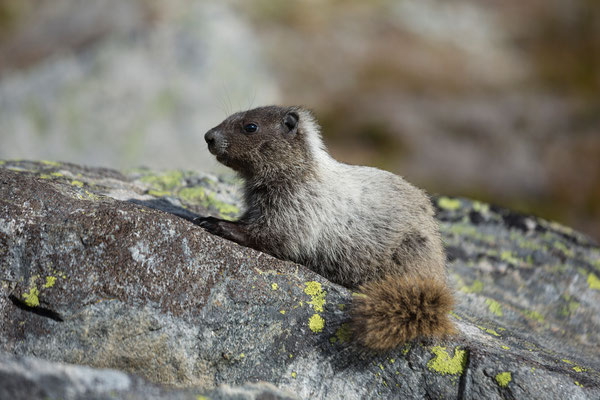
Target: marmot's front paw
209,224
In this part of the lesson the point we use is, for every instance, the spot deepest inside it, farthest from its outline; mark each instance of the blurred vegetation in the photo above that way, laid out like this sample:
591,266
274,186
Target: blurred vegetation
564,43
498,101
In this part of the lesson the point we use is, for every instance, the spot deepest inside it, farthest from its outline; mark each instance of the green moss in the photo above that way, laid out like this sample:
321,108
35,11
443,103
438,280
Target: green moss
534,315
503,379
443,364
593,281
317,295
31,298
476,287
316,323
449,204
494,307
50,281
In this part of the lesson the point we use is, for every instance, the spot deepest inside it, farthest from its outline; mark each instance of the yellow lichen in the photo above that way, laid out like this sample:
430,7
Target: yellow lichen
50,163
50,281
494,307
476,287
503,379
448,203
282,312
77,183
488,330
317,295
316,323
274,286
443,364
508,256
534,315
294,374
31,298
455,315
506,347
593,281
159,193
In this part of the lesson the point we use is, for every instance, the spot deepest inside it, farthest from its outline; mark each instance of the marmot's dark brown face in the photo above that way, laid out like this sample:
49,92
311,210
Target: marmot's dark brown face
265,138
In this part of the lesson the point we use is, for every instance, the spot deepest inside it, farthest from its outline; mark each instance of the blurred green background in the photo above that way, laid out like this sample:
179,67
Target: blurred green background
498,101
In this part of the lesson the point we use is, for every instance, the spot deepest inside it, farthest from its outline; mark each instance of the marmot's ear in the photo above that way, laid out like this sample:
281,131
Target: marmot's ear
290,121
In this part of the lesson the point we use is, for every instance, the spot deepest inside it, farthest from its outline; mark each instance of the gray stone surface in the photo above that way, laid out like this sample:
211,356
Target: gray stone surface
94,272
32,378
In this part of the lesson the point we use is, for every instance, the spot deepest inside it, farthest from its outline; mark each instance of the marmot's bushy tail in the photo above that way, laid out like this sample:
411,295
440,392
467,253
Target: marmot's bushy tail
397,309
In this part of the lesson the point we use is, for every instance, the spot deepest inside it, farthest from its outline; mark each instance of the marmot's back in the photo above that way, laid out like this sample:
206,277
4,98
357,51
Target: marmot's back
353,225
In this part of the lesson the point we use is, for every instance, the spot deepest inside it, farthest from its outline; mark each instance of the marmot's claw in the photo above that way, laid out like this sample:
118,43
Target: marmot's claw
210,224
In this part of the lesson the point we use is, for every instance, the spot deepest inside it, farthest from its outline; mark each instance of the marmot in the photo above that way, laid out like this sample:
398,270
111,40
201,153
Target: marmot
360,227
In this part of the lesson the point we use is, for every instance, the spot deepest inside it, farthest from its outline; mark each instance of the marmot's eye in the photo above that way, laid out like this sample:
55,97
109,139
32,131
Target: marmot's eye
250,128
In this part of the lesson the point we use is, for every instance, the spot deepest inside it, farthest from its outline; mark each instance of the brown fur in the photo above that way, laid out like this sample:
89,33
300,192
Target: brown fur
354,225
397,309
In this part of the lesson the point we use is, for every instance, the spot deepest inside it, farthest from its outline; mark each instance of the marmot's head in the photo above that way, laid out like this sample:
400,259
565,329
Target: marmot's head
265,141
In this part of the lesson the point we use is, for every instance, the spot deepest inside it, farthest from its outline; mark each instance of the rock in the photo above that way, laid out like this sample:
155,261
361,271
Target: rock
104,269
32,378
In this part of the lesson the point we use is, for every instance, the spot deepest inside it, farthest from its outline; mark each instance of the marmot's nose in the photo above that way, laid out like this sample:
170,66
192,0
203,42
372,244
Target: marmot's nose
210,137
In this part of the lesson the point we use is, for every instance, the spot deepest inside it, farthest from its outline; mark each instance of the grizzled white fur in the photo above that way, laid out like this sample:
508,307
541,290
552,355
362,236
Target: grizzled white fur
351,224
